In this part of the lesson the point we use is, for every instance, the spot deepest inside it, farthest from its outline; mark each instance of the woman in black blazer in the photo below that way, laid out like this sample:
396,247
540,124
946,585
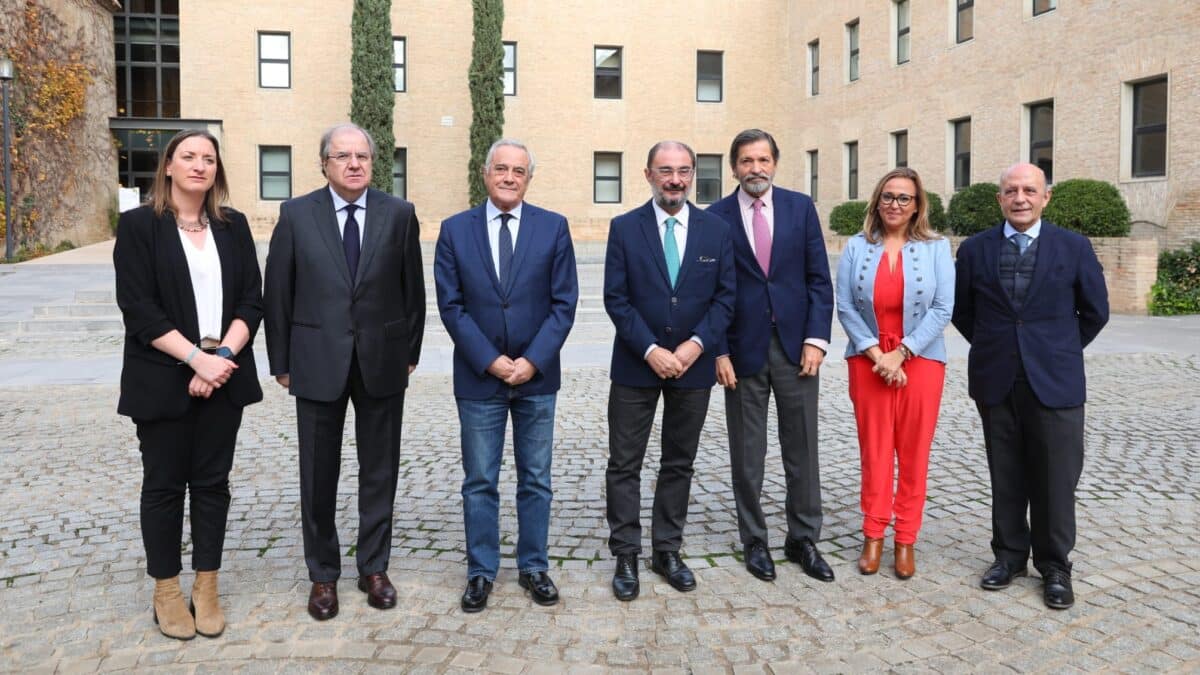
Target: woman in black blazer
190,293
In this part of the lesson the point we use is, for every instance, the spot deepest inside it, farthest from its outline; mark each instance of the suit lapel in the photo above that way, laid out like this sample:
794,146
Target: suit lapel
223,238
325,220
654,243
783,226
991,254
524,241
1046,249
479,226
731,210
373,236
695,223
177,260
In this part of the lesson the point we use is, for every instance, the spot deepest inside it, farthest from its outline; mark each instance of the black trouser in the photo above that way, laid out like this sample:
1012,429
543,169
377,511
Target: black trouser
187,455
1035,457
377,431
630,417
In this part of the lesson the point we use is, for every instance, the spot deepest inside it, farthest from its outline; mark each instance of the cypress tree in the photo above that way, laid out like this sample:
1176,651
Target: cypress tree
373,92
486,80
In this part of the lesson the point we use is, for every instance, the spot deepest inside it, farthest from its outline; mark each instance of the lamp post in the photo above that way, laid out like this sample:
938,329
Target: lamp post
10,237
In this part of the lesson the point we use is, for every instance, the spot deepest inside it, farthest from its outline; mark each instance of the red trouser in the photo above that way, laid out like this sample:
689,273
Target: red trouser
895,425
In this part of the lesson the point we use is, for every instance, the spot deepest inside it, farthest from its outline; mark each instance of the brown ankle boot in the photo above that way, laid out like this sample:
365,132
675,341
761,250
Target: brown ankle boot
206,606
906,563
872,551
170,612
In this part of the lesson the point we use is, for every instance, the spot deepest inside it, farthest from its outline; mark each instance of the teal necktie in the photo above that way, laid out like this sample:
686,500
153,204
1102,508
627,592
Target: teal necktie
671,250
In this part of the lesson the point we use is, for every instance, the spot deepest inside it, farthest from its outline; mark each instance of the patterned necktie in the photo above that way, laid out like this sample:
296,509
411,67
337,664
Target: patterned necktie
350,242
1022,241
506,249
671,251
762,237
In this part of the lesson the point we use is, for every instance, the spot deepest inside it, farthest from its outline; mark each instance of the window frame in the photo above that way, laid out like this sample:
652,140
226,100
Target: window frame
899,136
957,153
961,7
512,69
701,179
402,66
850,152
262,150
1049,6
814,67
164,70
719,78
853,42
261,60
597,178
598,72
1033,143
814,160
903,32
1137,131
400,172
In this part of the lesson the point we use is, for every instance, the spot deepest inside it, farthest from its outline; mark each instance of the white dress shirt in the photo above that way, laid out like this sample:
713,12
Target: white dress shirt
204,267
1033,231
493,213
360,214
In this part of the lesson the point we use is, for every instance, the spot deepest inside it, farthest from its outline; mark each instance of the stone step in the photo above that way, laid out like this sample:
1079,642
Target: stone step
94,297
64,326
107,310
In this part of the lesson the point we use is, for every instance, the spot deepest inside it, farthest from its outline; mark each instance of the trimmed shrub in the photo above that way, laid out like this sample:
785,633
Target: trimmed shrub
937,212
847,217
485,78
372,96
974,209
1093,208
1177,290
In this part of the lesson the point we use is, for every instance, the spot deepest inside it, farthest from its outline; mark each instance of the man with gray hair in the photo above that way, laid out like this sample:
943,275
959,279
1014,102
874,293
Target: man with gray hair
345,311
506,287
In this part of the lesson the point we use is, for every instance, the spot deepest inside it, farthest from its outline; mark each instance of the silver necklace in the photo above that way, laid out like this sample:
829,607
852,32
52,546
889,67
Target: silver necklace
193,225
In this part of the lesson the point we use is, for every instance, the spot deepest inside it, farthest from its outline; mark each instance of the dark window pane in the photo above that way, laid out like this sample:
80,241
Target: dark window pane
1150,103
143,184
966,24
169,29
119,27
1041,123
1044,159
708,178
119,54
143,30
142,7
145,92
141,52
170,7
170,91
170,53
144,160
902,149
962,136
1043,6
608,86
122,104
1150,154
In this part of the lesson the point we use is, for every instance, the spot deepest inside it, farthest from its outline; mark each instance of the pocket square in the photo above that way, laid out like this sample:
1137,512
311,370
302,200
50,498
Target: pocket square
705,259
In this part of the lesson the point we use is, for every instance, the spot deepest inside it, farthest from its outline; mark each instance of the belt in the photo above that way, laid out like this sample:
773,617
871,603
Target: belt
208,344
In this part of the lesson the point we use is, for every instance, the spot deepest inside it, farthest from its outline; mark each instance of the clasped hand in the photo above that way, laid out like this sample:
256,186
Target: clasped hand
513,372
890,367
211,372
669,364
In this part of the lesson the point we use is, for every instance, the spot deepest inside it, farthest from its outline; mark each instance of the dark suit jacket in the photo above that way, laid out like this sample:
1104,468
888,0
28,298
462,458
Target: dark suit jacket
154,292
318,317
797,288
646,310
530,316
1066,306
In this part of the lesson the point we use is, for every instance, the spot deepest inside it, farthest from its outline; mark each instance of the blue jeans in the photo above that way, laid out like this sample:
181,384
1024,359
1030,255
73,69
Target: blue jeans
483,424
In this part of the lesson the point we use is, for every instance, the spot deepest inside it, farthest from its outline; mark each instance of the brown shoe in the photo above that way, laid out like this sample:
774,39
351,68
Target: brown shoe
872,551
322,600
906,563
170,612
206,607
381,594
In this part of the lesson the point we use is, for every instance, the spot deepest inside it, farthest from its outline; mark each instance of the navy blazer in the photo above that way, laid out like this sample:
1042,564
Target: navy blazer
1066,306
530,317
646,310
797,289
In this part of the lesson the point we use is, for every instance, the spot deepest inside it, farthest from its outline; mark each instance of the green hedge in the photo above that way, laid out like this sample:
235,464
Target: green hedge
974,209
372,85
937,212
1177,290
847,217
1091,207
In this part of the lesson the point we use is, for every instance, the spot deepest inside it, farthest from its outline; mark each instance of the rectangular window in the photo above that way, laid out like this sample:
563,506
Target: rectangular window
1041,137
900,148
510,69
275,60
852,170
709,67
400,173
608,72
814,67
146,51
902,31
964,20
606,174
1043,6
1149,141
962,153
852,51
812,174
275,171
399,71
708,178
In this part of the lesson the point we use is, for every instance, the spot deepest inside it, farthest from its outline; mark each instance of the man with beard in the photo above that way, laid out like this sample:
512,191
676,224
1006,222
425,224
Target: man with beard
669,289
776,343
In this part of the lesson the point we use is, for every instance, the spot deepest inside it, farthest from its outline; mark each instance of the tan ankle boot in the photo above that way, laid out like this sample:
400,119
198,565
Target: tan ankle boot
872,551
170,612
210,621
906,562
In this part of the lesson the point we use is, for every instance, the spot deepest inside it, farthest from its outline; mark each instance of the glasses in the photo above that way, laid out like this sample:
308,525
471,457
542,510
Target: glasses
343,157
667,172
887,199
504,169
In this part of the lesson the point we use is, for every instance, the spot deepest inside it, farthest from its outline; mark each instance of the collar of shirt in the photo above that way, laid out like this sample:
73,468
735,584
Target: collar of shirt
339,204
1033,231
746,201
661,217
493,229
493,213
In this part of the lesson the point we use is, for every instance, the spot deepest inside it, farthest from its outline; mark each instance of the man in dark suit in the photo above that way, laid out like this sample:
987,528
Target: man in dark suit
669,289
1029,297
507,288
776,342
345,311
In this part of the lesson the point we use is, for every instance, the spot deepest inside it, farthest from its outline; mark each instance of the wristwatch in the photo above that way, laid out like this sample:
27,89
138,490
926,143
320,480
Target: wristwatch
222,351
905,351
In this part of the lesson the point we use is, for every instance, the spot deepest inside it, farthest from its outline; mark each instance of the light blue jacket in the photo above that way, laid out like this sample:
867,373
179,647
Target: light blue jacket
928,295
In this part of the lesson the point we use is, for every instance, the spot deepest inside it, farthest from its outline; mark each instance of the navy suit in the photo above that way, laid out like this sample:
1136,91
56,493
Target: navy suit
774,314
647,310
1025,372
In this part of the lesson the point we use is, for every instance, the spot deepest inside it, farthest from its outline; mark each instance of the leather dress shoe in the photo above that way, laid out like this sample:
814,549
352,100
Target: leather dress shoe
805,552
906,561
671,566
322,600
758,561
872,551
999,576
541,588
381,594
474,599
625,579
1056,589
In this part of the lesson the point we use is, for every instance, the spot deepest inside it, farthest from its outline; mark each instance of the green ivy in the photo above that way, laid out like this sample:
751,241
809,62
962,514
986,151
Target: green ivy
1177,290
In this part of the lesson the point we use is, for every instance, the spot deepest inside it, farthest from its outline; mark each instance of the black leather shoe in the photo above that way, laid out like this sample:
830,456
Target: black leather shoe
999,576
805,552
474,599
1056,589
758,561
322,600
381,594
541,588
671,566
625,580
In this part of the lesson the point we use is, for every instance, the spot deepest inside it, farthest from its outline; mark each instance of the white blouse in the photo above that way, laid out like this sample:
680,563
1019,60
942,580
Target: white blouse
205,268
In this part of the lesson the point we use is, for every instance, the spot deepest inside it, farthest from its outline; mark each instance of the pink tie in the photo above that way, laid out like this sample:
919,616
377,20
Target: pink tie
762,238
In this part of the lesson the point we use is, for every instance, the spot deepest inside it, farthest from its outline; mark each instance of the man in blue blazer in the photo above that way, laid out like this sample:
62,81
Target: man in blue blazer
669,290
507,288
776,342
1029,297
